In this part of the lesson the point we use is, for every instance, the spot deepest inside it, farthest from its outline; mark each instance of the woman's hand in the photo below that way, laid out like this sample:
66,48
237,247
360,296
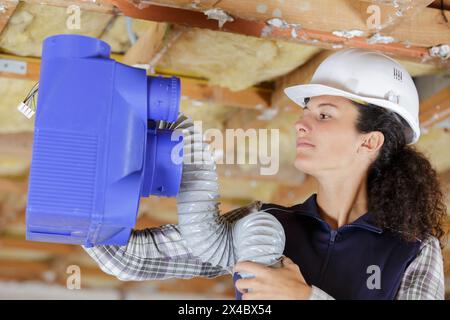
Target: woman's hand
284,283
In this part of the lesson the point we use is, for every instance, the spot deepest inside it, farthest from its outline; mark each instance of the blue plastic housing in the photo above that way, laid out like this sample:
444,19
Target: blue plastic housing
94,154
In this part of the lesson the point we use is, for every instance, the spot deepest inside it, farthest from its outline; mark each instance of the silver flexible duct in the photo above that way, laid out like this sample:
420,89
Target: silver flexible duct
258,236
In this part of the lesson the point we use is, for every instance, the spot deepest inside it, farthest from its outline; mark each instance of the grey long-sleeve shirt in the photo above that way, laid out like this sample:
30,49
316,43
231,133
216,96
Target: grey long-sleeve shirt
162,253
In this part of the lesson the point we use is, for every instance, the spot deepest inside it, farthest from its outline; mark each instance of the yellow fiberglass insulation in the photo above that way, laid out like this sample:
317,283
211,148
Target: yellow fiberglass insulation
233,61
31,24
12,93
116,34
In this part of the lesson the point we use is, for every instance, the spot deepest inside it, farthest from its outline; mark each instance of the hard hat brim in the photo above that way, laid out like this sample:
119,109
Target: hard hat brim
298,94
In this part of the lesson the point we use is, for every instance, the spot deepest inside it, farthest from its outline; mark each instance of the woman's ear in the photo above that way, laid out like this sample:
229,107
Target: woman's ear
372,142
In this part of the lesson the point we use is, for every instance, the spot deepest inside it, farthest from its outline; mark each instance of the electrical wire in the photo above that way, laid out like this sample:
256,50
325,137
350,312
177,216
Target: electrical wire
32,92
28,106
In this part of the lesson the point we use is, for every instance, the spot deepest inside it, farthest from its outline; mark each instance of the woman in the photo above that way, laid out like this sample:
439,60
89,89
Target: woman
375,226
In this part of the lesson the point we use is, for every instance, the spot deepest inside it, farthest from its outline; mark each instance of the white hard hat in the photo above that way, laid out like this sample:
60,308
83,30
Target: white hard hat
365,76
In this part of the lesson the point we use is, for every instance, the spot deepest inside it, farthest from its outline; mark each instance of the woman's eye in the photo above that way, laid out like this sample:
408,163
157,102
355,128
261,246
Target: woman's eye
324,116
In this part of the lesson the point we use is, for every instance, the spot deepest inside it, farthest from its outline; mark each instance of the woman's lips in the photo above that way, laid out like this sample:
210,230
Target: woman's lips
304,144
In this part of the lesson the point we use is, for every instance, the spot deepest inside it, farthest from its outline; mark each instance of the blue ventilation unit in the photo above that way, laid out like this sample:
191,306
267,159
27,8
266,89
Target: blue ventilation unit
96,148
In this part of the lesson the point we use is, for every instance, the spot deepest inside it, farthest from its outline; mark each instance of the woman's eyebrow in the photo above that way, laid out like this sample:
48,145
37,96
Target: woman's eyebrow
327,104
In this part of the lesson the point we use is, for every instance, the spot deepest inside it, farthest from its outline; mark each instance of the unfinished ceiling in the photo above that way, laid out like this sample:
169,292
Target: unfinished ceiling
231,79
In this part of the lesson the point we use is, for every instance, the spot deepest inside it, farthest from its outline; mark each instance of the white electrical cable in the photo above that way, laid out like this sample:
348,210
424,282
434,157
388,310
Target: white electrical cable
257,237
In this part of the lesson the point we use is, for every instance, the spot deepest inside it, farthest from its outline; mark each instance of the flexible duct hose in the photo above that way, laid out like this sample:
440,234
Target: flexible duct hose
257,237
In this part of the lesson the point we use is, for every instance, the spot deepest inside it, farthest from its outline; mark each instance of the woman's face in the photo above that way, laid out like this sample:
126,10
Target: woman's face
327,138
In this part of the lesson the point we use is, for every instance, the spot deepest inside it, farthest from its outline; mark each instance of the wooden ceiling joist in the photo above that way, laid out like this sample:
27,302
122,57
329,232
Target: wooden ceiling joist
22,244
301,75
7,8
32,67
402,10
147,46
305,23
12,186
55,272
20,270
191,88
304,20
17,144
435,109
251,98
440,4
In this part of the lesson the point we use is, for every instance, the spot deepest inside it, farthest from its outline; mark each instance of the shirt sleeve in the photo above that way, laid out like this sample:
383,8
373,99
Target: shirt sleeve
157,253
422,280
424,277
319,294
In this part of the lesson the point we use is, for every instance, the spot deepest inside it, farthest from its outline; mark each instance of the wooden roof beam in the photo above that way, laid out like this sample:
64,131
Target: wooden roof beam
440,4
305,23
191,88
148,45
7,8
301,75
435,109
401,10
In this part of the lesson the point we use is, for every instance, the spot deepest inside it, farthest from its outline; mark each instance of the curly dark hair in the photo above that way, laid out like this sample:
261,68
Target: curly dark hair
404,192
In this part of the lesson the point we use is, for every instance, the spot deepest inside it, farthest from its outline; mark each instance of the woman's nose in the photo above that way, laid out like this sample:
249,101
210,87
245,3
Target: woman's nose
301,126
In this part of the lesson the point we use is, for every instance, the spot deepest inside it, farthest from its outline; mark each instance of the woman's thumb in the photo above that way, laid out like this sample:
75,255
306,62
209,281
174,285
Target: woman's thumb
286,261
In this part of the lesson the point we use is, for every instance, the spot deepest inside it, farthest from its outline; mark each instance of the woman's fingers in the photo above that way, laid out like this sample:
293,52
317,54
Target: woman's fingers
253,268
243,284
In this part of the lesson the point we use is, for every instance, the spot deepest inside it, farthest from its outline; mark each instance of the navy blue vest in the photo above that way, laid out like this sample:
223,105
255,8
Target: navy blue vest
342,262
